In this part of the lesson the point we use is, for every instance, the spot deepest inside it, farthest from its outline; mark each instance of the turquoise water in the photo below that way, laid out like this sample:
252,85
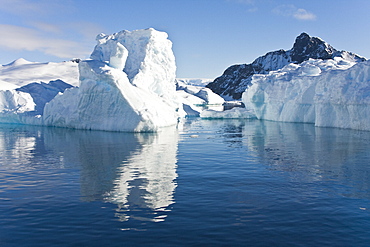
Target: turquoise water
207,183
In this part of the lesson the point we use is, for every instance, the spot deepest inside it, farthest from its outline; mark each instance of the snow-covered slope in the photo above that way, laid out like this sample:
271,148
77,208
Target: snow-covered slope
330,93
22,72
236,79
38,82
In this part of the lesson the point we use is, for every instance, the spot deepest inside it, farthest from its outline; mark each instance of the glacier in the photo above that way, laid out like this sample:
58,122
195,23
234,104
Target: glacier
328,93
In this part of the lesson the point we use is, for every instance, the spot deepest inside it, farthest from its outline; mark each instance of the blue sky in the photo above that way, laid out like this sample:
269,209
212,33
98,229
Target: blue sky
207,35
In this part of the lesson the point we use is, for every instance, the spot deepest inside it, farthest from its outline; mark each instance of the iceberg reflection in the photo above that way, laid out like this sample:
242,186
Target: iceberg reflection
17,147
313,154
147,177
300,152
135,171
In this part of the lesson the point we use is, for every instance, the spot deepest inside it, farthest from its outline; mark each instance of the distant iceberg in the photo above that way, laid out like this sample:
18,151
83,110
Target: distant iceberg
328,93
195,98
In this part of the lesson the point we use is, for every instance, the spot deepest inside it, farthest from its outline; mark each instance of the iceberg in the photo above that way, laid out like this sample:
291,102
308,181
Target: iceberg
106,100
145,56
15,102
195,98
328,93
128,84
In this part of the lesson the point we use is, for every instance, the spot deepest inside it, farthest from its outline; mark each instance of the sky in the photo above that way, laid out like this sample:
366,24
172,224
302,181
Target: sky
208,35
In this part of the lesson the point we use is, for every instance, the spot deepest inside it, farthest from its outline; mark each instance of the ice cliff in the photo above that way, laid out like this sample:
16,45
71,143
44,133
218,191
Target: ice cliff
329,93
237,78
128,85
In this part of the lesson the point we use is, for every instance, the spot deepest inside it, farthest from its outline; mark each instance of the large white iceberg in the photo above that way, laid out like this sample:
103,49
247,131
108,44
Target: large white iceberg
106,100
127,85
328,93
144,55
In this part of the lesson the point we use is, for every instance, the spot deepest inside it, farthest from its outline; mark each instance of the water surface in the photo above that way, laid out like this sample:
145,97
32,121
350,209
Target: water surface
218,183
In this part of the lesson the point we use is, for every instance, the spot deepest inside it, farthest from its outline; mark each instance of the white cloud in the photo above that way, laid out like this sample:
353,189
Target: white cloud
35,7
23,38
302,14
46,27
292,11
61,39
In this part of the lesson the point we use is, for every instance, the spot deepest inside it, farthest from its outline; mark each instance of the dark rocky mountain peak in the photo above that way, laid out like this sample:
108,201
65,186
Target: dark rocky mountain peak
306,47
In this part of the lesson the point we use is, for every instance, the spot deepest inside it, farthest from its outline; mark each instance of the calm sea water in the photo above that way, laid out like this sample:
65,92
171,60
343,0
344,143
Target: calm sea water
208,183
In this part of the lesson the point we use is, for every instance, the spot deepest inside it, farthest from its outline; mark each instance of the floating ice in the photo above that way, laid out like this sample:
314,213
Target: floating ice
234,113
106,100
195,98
129,85
330,93
12,101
